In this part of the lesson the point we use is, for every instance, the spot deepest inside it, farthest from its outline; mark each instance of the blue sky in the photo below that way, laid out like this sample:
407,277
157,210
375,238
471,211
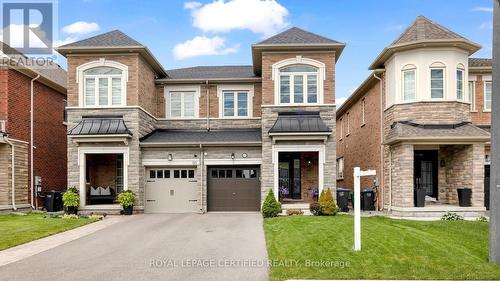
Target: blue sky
365,26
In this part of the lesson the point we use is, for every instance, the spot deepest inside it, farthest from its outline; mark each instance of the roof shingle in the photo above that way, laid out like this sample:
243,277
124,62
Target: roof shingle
480,62
114,38
212,72
296,35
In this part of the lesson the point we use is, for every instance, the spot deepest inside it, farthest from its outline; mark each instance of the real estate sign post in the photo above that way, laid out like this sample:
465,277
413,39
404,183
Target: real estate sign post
495,142
357,204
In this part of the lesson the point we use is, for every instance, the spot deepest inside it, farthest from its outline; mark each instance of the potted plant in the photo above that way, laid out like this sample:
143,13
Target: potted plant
71,200
126,200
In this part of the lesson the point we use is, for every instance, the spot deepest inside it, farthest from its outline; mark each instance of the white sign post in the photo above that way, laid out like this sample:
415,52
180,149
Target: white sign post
357,204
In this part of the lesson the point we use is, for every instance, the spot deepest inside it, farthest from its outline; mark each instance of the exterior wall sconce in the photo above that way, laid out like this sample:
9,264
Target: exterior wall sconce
232,155
244,155
170,157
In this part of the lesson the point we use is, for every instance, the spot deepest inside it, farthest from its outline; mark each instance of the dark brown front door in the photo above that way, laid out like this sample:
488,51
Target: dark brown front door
233,189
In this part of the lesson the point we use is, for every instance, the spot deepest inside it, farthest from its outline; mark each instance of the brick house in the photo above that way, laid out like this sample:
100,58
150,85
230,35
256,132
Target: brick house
208,138
49,130
421,120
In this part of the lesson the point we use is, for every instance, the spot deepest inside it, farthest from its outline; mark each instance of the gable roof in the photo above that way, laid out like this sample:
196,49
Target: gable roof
112,41
226,72
480,62
424,33
51,73
294,39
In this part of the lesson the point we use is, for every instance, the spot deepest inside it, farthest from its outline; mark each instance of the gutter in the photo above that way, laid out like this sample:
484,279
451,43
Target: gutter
13,172
208,107
32,183
381,205
202,166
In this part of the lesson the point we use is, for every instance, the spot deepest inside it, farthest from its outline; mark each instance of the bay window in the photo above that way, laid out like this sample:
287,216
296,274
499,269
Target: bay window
409,85
437,83
103,87
235,104
298,84
487,96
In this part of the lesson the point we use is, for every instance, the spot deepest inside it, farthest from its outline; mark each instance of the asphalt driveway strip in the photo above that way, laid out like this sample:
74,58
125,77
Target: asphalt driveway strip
214,246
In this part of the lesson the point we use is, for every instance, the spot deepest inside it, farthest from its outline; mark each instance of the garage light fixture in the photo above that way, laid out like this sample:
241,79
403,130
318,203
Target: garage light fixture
170,157
232,155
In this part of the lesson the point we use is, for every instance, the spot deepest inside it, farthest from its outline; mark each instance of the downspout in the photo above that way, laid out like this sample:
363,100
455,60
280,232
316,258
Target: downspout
32,184
390,180
13,172
208,106
381,184
202,164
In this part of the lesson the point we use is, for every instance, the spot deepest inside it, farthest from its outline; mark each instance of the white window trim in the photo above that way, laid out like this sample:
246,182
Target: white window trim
171,89
472,96
484,95
363,112
444,82
82,151
275,75
341,128
348,124
339,175
414,69
464,91
100,63
235,88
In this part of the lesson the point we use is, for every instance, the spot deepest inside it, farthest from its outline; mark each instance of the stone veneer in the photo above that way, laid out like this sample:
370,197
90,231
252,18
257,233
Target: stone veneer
22,174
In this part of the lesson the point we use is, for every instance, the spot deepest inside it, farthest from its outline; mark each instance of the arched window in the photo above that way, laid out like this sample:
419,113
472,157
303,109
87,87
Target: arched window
102,83
298,83
409,87
460,81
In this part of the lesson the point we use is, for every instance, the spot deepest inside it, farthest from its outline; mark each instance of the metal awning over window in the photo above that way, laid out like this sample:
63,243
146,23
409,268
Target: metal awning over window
299,122
100,126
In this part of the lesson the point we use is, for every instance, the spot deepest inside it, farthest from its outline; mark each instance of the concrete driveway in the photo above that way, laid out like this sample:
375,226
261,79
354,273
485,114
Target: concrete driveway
156,247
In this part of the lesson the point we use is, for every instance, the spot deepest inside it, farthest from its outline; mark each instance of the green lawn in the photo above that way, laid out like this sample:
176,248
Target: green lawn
15,229
391,249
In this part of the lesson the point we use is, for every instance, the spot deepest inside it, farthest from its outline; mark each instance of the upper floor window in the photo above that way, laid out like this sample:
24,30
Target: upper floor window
487,96
409,84
363,108
298,84
472,95
103,86
340,168
235,104
437,83
348,121
182,101
460,84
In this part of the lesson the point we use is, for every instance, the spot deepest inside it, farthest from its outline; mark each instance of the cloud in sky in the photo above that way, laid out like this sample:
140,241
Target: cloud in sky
202,46
81,27
340,100
264,17
486,25
483,9
394,27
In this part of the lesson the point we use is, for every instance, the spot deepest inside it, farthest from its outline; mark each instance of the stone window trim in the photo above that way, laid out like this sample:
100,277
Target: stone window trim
234,88
485,100
102,62
275,75
168,90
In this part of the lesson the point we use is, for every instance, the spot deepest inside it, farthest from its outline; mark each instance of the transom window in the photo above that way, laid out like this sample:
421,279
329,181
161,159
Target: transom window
409,85
103,86
460,84
298,84
437,83
167,174
182,104
487,96
235,104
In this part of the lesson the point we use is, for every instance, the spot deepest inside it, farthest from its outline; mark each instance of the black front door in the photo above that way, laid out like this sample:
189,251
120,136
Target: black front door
426,171
289,176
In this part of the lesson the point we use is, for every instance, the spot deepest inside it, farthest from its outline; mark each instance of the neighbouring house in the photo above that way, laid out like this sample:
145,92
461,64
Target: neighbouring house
421,120
49,130
206,138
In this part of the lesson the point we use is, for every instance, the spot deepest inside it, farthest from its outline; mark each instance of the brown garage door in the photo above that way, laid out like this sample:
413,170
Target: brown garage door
233,189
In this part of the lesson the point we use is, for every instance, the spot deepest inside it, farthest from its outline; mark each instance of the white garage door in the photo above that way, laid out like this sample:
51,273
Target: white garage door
171,190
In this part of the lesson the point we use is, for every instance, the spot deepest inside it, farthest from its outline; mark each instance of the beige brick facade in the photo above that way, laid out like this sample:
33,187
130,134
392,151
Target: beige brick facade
21,150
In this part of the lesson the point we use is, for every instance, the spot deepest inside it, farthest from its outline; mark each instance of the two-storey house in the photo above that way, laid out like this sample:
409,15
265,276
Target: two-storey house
419,121
207,138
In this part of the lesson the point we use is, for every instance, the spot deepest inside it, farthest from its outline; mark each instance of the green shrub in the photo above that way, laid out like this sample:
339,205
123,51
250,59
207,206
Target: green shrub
71,198
271,207
315,208
482,219
126,198
326,204
452,217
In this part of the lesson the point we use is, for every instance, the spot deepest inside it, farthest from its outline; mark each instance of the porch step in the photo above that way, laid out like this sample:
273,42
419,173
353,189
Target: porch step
304,207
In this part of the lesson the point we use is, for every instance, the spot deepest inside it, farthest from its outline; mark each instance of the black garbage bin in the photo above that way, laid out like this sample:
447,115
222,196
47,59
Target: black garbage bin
367,200
419,197
464,197
53,201
343,199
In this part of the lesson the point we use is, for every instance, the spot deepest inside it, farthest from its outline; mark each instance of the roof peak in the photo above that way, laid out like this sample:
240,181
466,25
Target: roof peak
113,38
296,35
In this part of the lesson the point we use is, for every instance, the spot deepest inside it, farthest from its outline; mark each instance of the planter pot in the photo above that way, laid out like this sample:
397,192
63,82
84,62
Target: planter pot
128,210
419,197
464,197
72,210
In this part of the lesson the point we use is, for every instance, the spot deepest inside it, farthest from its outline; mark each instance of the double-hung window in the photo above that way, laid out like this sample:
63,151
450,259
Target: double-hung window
472,95
460,84
182,104
437,83
298,84
363,114
235,104
487,96
409,85
103,87
340,168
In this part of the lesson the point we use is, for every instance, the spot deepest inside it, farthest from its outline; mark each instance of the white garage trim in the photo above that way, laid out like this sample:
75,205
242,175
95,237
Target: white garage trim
82,151
173,162
253,161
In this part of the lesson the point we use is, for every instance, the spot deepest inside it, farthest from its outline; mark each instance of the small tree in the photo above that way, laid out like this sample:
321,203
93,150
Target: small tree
326,203
271,207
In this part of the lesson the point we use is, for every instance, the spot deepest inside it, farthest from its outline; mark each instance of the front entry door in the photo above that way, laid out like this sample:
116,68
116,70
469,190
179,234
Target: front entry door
426,171
289,176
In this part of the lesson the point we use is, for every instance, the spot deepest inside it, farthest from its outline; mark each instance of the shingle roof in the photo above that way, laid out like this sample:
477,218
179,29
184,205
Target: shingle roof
480,62
296,35
50,71
114,38
404,130
212,72
100,126
228,136
299,122
424,29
